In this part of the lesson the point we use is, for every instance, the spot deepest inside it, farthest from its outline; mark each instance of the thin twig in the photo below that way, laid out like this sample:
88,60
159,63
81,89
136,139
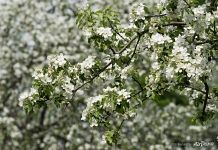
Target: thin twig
132,40
193,88
175,24
158,15
128,44
206,98
113,50
102,70
134,52
189,6
207,41
120,125
112,27
137,83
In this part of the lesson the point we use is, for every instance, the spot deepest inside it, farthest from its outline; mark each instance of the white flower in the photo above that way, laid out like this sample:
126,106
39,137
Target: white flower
109,89
88,63
105,32
61,60
198,49
128,26
169,72
38,75
215,13
95,99
22,97
123,93
159,39
124,72
87,33
126,52
57,61
212,107
140,10
68,87
25,95
116,56
32,91
209,17
47,79
155,66
89,108
94,123
163,1
200,10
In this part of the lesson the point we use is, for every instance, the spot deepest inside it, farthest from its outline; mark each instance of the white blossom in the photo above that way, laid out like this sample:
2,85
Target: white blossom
200,10
105,32
158,38
88,63
57,60
124,93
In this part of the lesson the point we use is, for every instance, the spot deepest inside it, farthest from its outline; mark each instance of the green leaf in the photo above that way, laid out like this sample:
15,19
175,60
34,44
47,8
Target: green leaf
170,96
111,137
198,2
172,5
122,107
28,106
215,91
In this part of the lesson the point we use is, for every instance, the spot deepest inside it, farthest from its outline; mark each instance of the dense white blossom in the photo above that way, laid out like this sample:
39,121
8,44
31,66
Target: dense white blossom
158,38
88,63
105,32
68,87
57,60
26,94
200,10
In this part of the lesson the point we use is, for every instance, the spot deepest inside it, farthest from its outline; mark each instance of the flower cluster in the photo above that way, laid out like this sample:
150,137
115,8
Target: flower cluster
159,39
110,101
104,32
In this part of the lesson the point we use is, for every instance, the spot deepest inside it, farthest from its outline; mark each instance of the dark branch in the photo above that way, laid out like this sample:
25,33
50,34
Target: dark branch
115,30
134,52
175,24
152,16
206,98
189,6
137,83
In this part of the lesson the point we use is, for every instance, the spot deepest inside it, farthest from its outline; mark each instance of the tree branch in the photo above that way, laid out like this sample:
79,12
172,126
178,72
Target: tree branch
206,98
102,70
105,67
175,24
132,40
189,6
134,52
138,83
112,27
153,16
